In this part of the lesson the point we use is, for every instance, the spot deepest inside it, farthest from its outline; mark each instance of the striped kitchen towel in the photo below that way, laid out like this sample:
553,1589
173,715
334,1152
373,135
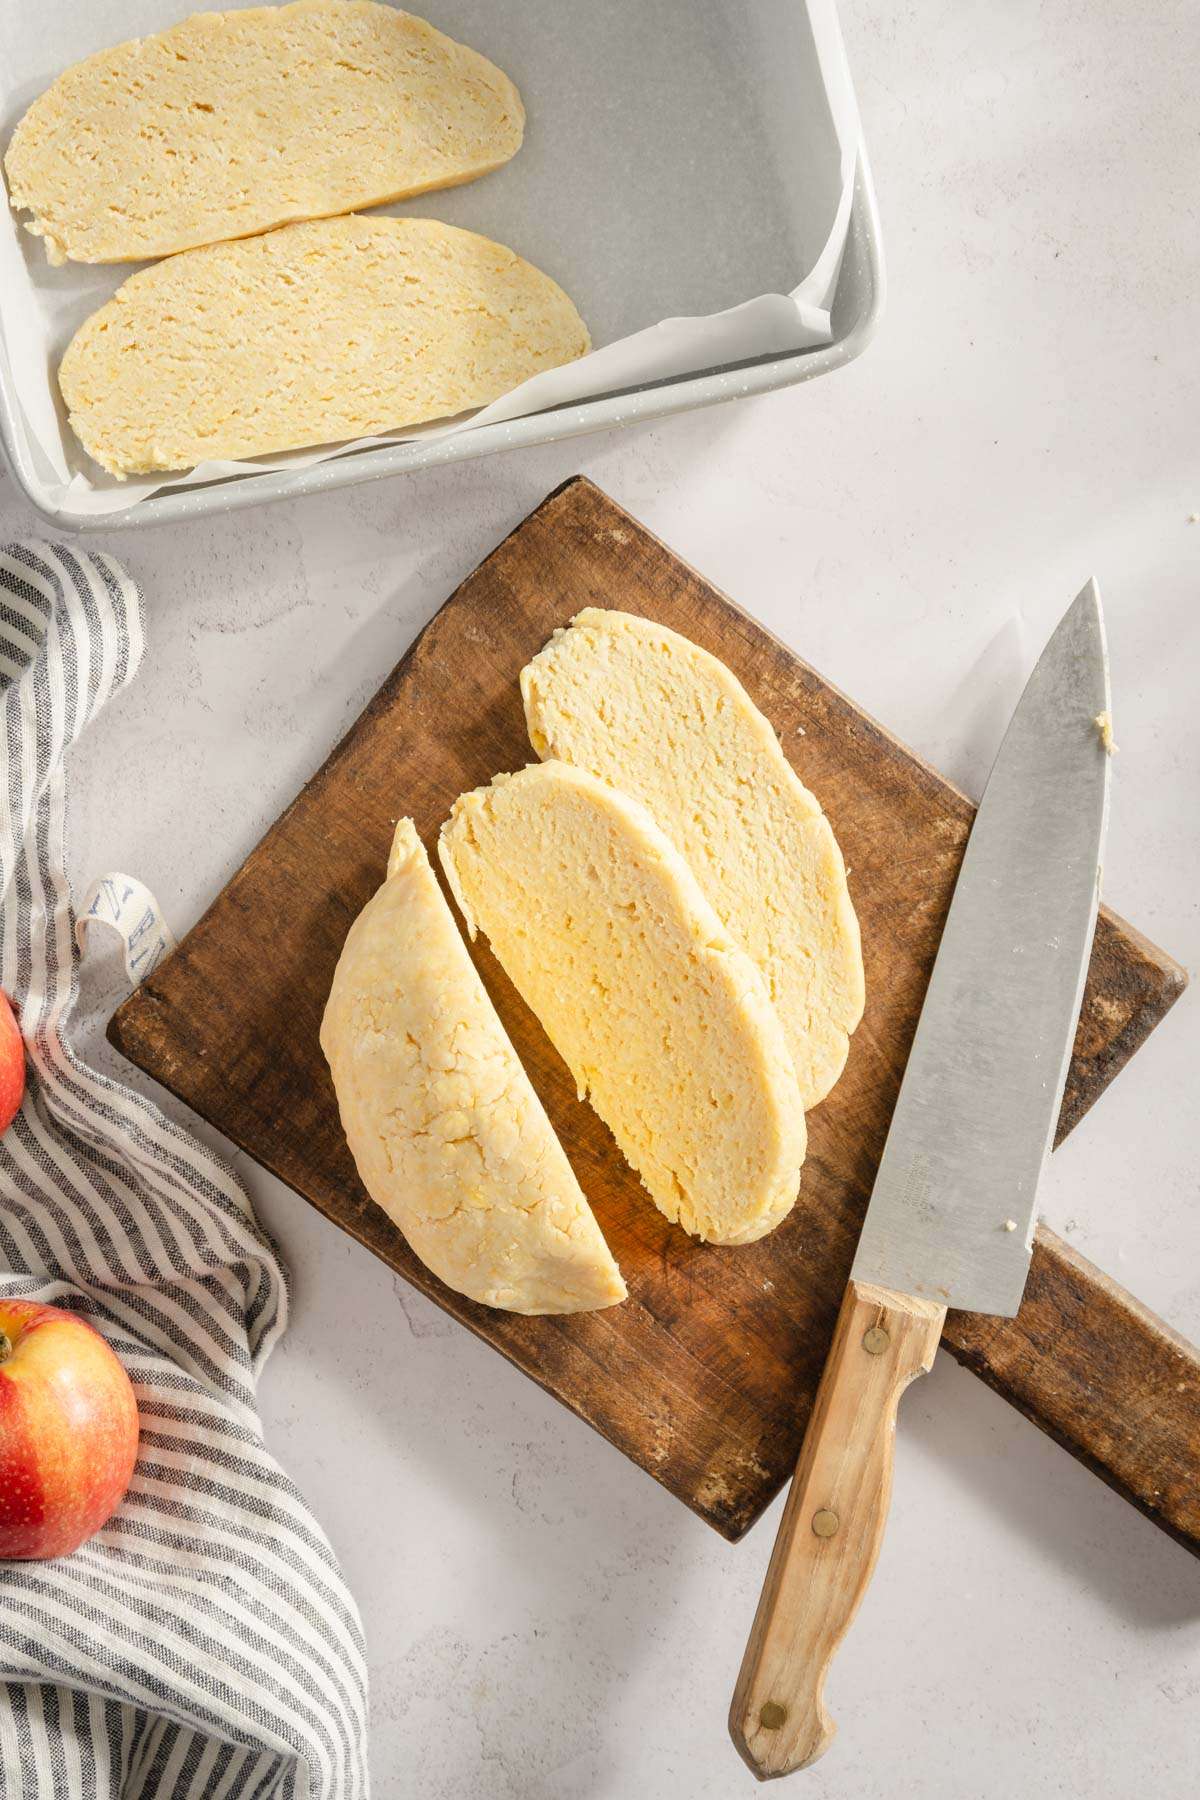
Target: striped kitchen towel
204,1643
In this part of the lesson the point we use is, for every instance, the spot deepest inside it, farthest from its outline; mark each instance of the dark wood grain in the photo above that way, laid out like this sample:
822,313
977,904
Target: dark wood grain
706,1375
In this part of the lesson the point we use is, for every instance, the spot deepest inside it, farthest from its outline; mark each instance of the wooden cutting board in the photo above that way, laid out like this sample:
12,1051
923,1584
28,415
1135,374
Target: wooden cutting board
706,1374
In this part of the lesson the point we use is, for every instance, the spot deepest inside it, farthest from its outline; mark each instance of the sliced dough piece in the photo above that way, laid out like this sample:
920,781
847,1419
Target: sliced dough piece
664,1023
231,123
308,335
641,706
448,1135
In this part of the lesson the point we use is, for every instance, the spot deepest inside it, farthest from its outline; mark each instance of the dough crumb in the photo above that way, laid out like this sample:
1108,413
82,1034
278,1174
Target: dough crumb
1103,724
1010,1224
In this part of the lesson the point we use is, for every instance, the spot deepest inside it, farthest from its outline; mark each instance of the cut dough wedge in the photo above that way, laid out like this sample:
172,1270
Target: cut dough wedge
663,1021
644,708
231,123
309,335
448,1135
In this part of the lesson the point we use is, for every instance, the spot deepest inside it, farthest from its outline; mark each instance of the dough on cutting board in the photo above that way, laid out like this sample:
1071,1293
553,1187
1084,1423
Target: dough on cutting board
448,1135
231,123
662,719
312,334
664,1023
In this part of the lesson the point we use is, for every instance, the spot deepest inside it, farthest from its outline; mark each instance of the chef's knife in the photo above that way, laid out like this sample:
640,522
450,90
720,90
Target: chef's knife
951,1217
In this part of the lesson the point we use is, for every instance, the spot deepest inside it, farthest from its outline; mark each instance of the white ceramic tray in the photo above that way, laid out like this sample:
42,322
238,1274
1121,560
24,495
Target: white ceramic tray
681,159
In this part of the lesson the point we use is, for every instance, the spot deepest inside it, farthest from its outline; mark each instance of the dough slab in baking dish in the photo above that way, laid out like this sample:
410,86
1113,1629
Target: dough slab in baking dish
313,334
232,123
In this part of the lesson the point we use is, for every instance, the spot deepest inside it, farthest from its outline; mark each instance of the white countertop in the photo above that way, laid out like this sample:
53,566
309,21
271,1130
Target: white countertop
543,1620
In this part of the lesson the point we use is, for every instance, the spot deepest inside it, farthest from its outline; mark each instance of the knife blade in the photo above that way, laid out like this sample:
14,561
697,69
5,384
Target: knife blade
952,1210
951,1216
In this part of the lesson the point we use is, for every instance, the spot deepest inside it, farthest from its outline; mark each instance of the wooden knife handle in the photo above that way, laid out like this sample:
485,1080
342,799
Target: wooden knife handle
831,1529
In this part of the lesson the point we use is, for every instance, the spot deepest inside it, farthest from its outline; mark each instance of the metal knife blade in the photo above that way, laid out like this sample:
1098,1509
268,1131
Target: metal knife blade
952,1211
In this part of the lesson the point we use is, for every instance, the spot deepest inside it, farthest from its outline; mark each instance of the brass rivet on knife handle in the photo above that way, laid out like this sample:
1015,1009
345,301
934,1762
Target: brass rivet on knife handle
824,1553
875,1341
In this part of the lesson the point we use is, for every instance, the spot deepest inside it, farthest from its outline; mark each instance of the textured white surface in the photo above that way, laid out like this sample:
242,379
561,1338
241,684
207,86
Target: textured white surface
543,1620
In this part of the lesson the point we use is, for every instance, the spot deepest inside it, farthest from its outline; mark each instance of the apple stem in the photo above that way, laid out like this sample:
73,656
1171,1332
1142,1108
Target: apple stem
5,1347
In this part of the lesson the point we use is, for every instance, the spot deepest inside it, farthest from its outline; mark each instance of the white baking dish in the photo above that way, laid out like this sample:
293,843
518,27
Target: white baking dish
682,159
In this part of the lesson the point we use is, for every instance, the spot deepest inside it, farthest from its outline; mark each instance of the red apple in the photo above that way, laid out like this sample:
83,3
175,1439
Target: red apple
68,1431
12,1063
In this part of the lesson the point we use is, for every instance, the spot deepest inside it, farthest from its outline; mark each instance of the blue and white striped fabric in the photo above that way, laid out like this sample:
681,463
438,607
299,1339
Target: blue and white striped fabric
204,1643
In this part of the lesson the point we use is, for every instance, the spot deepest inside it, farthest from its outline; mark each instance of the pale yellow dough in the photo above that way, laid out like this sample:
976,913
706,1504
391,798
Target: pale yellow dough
663,1021
231,123
312,334
448,1135
651,712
